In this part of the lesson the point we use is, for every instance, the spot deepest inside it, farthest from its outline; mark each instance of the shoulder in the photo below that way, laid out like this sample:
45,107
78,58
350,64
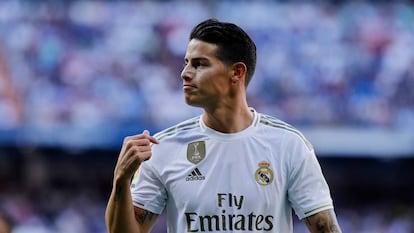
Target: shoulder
289,132
183,127
172,141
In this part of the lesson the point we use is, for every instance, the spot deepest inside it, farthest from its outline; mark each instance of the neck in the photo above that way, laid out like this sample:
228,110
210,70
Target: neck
228,119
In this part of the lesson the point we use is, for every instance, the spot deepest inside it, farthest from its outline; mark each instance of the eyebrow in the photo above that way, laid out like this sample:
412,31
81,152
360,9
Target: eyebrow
195,59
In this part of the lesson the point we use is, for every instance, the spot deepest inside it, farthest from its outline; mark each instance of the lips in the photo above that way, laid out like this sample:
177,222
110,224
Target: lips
188,87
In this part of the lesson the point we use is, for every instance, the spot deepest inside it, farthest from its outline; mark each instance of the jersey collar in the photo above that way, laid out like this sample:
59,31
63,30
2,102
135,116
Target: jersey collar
229,136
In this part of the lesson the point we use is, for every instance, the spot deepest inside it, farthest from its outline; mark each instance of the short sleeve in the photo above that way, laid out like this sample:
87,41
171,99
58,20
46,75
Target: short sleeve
147,190
308,191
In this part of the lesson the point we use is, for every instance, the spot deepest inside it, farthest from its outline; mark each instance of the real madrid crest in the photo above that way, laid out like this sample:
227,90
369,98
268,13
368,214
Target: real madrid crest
196,151
264,175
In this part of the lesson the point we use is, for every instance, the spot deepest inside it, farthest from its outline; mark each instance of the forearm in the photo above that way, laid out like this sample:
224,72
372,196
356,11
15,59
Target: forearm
323,222
119,215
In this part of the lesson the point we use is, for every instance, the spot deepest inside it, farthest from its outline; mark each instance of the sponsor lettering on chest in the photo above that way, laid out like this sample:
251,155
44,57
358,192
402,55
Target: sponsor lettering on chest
238,219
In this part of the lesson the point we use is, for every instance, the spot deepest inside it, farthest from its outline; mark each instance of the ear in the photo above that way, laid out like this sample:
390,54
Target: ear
239,70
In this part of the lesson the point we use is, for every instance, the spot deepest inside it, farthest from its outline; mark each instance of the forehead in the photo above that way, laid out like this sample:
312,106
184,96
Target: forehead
200,49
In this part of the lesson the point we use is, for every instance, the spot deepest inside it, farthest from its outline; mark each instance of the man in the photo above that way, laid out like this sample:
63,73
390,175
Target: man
231,169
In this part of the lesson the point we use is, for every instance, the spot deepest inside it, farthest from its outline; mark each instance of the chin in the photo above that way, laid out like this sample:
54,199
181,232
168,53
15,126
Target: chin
192,102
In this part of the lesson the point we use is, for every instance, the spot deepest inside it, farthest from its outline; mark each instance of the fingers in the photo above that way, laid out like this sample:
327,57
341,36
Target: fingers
136,145
152,139
135,150
138,154
145,134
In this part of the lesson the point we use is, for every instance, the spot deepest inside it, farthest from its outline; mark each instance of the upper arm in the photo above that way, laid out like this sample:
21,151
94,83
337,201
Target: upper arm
323,222
145,218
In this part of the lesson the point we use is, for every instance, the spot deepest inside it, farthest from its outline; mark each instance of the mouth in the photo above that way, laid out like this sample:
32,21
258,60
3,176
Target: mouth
188,87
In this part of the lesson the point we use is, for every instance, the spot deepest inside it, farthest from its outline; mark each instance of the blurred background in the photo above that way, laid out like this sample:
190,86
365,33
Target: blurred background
78,76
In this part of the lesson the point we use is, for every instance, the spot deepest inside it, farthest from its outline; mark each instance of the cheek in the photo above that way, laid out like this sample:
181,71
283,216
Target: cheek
214,86
213,82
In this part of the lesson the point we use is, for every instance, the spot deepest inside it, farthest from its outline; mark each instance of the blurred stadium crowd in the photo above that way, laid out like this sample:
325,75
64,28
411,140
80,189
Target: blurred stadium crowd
109,67
96,64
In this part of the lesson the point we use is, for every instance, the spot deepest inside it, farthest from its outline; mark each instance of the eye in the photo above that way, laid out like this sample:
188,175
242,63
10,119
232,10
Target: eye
185,63
197,64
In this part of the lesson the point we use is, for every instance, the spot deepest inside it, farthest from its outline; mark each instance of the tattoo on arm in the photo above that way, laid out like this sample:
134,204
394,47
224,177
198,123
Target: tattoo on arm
143,216
324,222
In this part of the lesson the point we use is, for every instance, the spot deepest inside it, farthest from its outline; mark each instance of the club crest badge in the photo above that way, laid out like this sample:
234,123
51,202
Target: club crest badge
264,175
196,151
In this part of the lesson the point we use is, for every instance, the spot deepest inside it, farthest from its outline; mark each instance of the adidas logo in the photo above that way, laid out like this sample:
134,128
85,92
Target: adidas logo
195,175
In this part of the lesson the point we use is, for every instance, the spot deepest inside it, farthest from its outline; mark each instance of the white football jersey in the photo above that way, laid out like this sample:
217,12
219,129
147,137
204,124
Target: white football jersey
241,182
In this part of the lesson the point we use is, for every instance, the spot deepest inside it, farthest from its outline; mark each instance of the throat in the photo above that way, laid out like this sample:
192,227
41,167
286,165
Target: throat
232,122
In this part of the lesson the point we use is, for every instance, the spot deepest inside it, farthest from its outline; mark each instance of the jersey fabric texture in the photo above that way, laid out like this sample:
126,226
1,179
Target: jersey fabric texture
241,182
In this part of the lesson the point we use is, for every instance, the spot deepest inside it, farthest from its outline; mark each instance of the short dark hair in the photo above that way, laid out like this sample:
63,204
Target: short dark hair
234,44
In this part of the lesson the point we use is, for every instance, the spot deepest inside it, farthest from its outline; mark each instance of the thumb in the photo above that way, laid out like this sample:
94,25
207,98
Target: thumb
152,139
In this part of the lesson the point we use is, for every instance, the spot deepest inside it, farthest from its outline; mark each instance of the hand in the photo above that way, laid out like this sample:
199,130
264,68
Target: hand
134,151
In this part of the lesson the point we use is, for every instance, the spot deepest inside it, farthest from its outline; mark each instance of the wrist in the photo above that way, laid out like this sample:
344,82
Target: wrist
121,180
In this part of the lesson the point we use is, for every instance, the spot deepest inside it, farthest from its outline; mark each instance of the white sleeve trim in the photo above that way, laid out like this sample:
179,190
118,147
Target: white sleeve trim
315,211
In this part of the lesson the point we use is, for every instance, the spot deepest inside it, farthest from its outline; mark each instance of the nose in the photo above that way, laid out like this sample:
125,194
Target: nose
186,73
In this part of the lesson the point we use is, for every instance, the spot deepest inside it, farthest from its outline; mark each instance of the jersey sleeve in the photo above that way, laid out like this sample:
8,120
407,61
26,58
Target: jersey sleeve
308,191
147,190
